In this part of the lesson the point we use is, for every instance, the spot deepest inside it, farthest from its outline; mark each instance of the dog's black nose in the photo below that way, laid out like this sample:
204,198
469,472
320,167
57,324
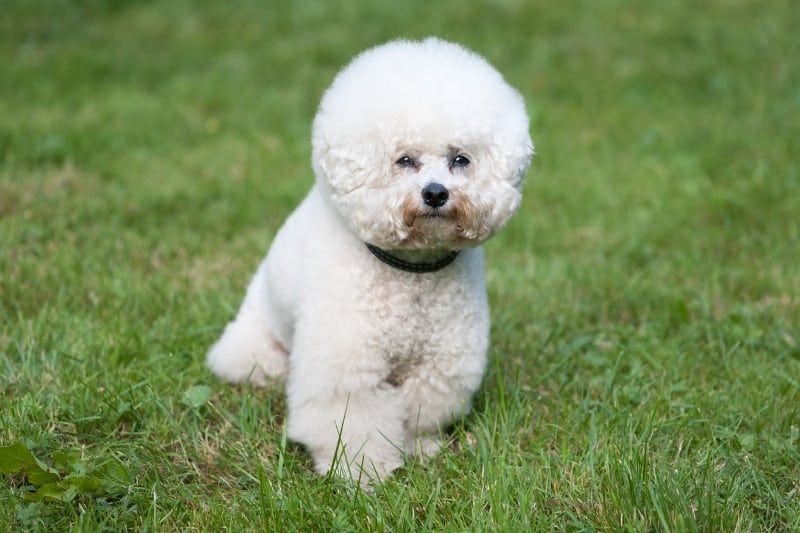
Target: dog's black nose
435,195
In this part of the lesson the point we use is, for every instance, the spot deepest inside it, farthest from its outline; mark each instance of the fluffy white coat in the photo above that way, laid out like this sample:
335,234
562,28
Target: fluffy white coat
378,360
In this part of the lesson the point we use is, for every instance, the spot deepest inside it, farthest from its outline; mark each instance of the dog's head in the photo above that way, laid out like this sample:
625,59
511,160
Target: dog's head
421,145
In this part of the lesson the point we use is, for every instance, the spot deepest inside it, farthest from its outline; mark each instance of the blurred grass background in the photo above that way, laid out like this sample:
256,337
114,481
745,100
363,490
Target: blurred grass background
645,360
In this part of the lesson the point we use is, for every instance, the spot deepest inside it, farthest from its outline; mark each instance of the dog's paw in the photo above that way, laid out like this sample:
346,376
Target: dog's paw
425,446
247,355
234,366
360,469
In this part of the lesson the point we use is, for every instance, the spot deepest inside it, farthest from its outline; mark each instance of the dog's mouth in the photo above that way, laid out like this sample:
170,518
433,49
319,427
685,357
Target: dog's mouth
434,213
418,214
433,222
432,227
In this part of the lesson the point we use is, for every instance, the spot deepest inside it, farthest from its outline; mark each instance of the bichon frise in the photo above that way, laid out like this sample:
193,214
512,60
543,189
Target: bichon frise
371,301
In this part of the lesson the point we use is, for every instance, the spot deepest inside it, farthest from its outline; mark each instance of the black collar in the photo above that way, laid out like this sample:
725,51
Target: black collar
407,266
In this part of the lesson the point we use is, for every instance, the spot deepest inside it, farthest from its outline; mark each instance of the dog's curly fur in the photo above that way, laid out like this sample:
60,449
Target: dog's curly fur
379,360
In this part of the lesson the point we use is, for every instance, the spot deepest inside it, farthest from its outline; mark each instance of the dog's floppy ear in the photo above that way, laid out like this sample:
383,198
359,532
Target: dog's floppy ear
511,161
342,168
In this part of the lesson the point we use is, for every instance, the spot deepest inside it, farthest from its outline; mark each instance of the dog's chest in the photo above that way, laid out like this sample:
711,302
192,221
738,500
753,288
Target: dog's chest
419,318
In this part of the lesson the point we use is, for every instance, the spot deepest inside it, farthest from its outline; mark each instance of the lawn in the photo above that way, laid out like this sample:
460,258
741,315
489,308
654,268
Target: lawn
645,360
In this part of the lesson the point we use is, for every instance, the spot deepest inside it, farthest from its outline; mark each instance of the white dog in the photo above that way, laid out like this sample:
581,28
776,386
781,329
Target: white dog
372,301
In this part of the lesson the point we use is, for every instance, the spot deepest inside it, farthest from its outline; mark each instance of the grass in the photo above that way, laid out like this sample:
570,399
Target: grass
645,365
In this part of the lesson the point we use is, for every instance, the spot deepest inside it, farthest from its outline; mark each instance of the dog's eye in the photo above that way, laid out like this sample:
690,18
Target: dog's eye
459,161
406,161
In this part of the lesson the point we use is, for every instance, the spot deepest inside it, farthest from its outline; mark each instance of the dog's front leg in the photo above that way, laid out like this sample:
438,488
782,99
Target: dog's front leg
342,411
